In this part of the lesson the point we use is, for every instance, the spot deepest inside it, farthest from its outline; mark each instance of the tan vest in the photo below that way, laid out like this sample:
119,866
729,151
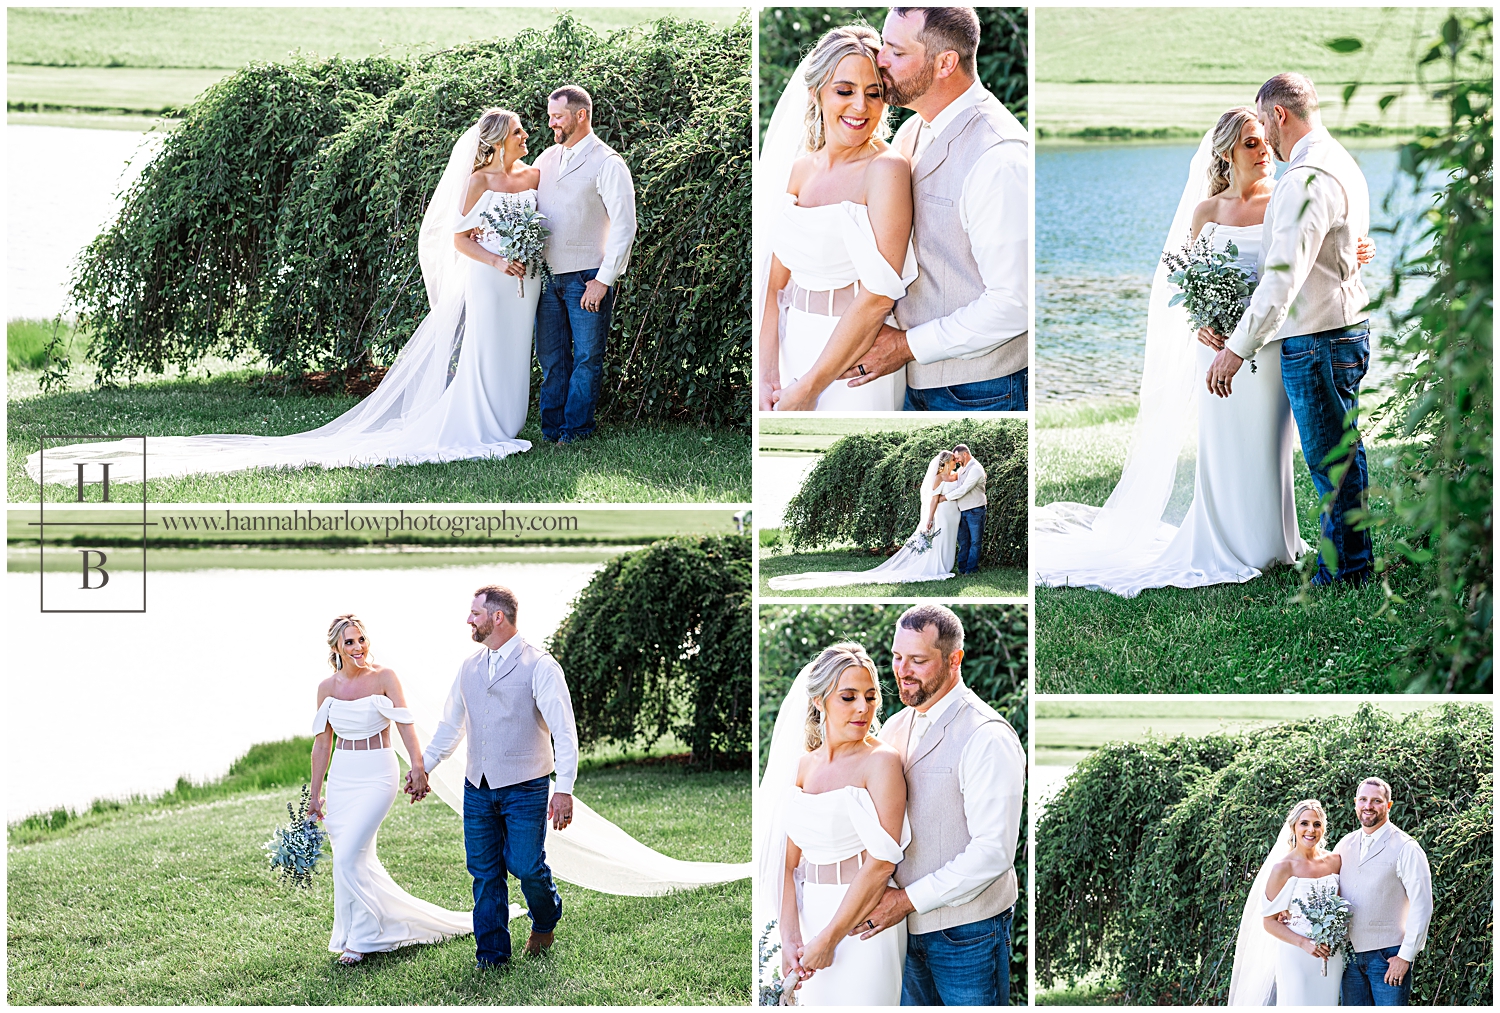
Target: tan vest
974,497
1334,294
508,739
935,807
1378,904
948,276
576,217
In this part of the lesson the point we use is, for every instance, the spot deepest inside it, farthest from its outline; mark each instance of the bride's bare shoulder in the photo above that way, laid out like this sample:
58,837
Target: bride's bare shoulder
1204,213
802,168
885,760
888,168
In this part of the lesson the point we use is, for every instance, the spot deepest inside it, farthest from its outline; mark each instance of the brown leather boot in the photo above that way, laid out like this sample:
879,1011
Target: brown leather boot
538,943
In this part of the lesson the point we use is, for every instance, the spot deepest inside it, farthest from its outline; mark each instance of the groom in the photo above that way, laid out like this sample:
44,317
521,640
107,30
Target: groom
1311,295
962,325
967,770
968,495
1386,880
588,197
511,702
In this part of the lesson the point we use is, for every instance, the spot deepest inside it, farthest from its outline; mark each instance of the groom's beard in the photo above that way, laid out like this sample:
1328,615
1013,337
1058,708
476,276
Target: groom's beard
481,633
903,93
920,695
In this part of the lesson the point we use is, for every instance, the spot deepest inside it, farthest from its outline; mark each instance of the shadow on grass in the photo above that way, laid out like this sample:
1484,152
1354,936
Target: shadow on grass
621,463
988,582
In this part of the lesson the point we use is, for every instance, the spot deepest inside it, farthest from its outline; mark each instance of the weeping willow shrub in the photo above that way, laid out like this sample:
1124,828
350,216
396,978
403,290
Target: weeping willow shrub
1146,855
864,489
994,667
320,271
658,643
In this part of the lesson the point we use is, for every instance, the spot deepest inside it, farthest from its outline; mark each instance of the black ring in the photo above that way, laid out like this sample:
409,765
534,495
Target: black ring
861,368
870,922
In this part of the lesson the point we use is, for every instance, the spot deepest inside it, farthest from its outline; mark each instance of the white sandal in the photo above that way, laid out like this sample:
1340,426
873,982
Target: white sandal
349,958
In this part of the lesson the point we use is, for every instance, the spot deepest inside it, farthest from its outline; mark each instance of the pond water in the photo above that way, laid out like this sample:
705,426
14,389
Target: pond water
103,706
64,188
1102,213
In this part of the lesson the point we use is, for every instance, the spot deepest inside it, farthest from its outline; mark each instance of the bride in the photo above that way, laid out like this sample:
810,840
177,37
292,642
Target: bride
1243,515
425,409
833,204
1274,960
926,555
836,800
356,706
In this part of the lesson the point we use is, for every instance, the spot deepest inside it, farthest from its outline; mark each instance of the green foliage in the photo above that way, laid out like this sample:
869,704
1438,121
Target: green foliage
787,34
1145,857
282,216
659,642
863,490
994,667
1444,392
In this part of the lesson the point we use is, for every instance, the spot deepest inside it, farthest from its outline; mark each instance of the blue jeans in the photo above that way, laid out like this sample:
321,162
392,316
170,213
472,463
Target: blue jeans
570,348
1322,372
1364,980
1002,394
970,527
504,831
967,965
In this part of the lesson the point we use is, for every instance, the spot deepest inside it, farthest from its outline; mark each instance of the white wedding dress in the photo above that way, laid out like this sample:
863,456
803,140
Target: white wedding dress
371,914
826,248
1300,980
914,562
829,828
1243,516
426,409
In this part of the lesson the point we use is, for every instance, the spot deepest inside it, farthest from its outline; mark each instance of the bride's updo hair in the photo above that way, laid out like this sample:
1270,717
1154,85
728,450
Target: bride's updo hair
944,457
336,634
1226,136
494,127
823,675
1307,804
850,40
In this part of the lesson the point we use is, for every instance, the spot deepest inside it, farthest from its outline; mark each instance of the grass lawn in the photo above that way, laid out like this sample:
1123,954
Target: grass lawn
171,902
1084,993
621,463
815,435
989,582
1232,638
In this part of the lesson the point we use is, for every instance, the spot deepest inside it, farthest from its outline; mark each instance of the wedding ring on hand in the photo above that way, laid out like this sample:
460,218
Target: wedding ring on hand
870,922
861,368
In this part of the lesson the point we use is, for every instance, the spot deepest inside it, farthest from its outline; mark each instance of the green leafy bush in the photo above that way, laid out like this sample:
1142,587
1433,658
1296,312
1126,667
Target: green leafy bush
864,489
659,642
787,34
282,216
1145,857
995,641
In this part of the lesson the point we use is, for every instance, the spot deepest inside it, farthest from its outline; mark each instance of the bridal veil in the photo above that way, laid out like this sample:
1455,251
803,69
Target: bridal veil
1252,979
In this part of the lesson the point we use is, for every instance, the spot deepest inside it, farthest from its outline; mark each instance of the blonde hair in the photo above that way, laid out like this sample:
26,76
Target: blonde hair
1226,135
336,633
1307,804
822,675
850,40
495,126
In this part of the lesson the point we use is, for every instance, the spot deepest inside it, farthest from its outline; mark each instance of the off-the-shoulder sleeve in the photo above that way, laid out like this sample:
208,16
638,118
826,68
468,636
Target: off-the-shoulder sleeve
871,834
400,715
874,270
320,719
474,219
1281,902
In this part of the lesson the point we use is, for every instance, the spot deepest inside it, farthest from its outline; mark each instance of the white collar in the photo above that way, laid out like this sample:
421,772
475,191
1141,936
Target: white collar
938,709
1308,139
974,95
505,650
580,148
1376,837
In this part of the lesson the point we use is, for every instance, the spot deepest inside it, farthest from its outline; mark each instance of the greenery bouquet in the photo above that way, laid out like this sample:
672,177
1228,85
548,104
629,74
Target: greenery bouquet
523,238
1213,289
921,540
1327,915
296,848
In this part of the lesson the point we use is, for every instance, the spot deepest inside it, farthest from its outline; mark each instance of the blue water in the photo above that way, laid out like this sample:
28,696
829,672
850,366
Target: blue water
1102,214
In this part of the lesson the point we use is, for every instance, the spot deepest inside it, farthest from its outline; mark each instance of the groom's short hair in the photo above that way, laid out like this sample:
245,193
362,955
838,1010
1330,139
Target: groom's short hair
576,98
962,448
1293,92
1383,786
498,598
945,28
950,631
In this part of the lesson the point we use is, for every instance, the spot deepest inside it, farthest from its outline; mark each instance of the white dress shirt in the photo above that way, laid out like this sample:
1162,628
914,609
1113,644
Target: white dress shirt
617,190
1416,877
550,691
1308,204
963,483
994,210
991,776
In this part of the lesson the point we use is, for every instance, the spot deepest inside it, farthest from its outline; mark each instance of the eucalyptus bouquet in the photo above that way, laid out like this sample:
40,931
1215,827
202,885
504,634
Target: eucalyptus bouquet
1327,916
296,848
523,237
921,541
774,990
1214,289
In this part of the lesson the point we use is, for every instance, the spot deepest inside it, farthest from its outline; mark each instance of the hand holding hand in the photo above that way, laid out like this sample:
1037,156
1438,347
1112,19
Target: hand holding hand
593,294
796,398
892,909
1212,338
416,784
1221,372
560,810
769,392
1395,971
889,353
818,953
